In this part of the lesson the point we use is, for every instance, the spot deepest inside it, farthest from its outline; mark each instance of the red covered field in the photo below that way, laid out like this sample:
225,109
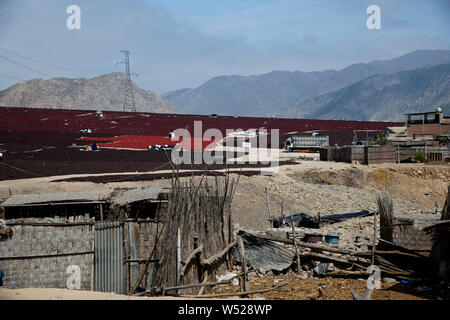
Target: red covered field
42,142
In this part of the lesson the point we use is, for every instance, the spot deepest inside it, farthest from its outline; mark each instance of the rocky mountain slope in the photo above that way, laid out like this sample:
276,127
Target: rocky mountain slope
105,92
381,97
267,94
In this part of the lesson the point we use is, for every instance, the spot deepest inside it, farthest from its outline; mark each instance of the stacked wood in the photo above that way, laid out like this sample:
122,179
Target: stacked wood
357,261
386,210
201,211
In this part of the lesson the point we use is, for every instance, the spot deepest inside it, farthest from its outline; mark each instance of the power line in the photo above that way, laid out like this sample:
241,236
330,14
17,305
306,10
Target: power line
11,77
52,65
23,66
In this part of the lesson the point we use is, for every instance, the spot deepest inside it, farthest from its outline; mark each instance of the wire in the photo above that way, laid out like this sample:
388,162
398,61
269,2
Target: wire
11,77
23,66
55,66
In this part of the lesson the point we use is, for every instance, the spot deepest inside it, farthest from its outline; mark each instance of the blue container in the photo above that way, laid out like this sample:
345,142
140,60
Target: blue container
332,238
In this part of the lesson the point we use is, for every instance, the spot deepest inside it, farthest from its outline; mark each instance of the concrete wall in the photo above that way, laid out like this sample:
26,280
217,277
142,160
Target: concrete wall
51,271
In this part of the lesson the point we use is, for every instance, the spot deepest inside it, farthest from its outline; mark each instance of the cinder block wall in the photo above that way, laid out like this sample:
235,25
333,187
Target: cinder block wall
407,233
49,272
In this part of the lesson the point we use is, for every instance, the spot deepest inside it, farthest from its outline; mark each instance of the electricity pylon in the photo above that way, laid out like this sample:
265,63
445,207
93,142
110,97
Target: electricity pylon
128,100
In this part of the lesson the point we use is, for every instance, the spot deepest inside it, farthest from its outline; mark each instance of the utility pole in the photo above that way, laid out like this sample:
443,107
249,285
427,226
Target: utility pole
128,101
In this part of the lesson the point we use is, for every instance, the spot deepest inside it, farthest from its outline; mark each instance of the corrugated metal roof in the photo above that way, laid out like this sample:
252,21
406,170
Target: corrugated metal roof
41,198
268,255
114,196
137,194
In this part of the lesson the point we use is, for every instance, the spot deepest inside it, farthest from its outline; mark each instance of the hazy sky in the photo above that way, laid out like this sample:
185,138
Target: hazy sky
183,43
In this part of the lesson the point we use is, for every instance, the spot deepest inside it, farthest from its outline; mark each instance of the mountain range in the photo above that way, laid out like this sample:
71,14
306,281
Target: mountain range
278,92
378,90
105,92
381,97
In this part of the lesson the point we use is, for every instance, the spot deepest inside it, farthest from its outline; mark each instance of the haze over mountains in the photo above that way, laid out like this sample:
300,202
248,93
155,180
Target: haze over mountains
105,92
281,93
379,90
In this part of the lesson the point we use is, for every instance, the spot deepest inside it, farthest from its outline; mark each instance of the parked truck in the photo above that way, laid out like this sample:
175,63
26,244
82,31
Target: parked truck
307,143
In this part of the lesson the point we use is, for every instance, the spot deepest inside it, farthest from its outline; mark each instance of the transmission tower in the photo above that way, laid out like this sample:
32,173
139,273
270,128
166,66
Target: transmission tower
128,101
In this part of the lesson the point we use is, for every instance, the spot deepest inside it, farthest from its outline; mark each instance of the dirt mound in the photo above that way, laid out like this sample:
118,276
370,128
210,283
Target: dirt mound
353,177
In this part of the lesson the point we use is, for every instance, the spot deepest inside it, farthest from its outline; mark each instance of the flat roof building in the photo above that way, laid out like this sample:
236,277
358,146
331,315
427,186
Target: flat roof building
427,124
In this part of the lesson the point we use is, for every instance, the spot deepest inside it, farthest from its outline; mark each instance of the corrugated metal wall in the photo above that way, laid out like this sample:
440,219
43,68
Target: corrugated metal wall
109,263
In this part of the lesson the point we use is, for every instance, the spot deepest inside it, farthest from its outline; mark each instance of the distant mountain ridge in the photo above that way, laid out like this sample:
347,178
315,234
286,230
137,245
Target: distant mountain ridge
105,92
381,97
268,94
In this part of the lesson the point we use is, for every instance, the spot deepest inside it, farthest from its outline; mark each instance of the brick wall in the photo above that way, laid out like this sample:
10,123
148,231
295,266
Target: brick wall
49,271
428,129
408,233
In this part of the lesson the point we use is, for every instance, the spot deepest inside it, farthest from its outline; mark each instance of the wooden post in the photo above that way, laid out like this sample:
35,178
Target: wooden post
244,283
295,245
101,211
374,237
268,206
230,238
179,258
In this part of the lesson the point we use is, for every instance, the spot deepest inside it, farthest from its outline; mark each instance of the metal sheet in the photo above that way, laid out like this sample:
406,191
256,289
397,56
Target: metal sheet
268,255
109,263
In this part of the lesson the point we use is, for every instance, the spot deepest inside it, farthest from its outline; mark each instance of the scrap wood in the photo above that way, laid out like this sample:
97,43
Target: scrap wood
8,232
205,280
336,259
216,257
305,244
383,252
194,285
191,256
219,295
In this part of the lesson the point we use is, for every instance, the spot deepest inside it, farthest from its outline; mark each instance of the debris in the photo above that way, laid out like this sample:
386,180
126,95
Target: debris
218,295
423,289
2,274
303,275
389,280
366,295
265,254
261,271
322,269
307,221
228,276
322,288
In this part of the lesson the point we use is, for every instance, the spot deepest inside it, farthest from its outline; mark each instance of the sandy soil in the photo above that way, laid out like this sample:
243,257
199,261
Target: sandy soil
65,294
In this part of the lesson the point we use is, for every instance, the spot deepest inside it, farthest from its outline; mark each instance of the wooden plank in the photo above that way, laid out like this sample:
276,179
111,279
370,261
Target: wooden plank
246,293
299,266
214,258
179,257
244,283
50,255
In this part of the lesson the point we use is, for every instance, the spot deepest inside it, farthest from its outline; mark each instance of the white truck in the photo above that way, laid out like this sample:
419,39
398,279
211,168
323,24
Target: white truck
307,143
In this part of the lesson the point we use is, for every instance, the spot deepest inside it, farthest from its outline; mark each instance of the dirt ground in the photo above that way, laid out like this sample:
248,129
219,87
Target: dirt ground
64,294
335,289
296,289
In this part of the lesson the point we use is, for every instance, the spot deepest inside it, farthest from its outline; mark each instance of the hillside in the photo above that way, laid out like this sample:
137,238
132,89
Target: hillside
381,97
267,94
105,92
